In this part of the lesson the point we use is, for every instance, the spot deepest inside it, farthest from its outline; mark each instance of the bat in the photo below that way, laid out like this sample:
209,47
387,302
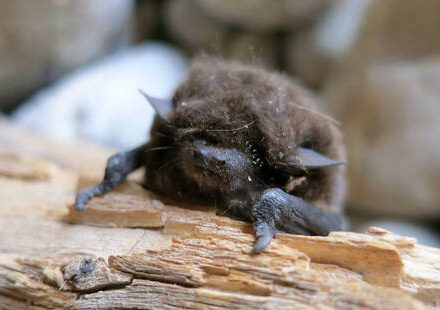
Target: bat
250,142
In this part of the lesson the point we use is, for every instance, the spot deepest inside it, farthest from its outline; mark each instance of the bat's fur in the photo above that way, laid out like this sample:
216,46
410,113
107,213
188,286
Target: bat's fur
262,117
249,142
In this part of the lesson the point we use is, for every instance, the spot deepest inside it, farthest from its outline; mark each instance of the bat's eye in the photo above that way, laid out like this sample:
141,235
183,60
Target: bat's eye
200,142
307,145
202,138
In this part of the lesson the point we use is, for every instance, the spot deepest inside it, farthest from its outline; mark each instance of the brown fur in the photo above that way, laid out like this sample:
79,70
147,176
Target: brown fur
260,116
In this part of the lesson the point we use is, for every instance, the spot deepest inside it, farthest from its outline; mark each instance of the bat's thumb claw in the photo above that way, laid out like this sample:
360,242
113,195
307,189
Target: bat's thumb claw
81,201
80,206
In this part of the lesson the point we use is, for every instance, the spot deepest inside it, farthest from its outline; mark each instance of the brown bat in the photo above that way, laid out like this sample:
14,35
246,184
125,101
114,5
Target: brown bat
249,142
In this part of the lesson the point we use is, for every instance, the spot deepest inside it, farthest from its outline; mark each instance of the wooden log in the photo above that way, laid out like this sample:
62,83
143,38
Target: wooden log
135,249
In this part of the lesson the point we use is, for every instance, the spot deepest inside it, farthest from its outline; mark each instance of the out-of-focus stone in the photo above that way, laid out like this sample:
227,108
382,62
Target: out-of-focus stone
398,30
190,26
262,15
198,32
386,95
391,120
256,49
148,16
101,103
312,53
42,40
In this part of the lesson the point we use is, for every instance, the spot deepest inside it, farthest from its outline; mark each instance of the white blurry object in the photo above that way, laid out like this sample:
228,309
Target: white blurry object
101,102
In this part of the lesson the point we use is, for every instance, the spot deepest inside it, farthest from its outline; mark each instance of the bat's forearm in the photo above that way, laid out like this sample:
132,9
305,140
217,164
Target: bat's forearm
118,168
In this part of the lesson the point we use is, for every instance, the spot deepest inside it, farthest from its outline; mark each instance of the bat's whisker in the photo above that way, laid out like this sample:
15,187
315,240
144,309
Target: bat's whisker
246,126
159,148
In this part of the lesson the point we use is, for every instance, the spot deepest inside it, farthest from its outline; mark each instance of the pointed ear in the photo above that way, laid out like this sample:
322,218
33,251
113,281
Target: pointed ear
307,159
161,106
310,159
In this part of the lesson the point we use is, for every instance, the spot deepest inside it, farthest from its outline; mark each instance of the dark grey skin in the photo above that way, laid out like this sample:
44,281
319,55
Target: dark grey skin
227,148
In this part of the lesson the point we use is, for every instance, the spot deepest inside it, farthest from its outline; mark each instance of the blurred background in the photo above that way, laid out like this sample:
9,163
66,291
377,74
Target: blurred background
72,69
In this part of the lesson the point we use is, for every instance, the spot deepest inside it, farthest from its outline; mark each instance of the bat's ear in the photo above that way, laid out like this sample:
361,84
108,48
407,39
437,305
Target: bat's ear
307,159
311,159
161,106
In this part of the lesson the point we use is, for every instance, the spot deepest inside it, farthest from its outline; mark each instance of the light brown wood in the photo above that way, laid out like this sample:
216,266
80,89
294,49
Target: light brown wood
135,249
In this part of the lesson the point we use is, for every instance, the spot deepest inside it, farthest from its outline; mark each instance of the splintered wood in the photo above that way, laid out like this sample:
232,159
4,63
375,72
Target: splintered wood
134,249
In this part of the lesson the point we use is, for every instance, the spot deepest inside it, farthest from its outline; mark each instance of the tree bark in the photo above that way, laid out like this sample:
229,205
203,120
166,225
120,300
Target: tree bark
135,249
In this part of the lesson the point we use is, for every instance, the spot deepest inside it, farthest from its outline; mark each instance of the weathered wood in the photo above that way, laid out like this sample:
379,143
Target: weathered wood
86,159
134,249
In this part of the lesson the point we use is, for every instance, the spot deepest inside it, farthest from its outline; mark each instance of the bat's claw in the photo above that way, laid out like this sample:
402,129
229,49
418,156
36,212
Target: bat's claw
264,234
81,201
83,197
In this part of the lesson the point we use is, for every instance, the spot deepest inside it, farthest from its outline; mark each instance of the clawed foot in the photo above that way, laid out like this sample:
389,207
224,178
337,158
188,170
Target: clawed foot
275,210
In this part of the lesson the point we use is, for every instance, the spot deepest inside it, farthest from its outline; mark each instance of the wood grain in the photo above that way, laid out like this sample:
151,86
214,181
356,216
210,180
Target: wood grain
135,249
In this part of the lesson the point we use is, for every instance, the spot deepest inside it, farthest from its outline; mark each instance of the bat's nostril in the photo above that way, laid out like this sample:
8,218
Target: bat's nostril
196,154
